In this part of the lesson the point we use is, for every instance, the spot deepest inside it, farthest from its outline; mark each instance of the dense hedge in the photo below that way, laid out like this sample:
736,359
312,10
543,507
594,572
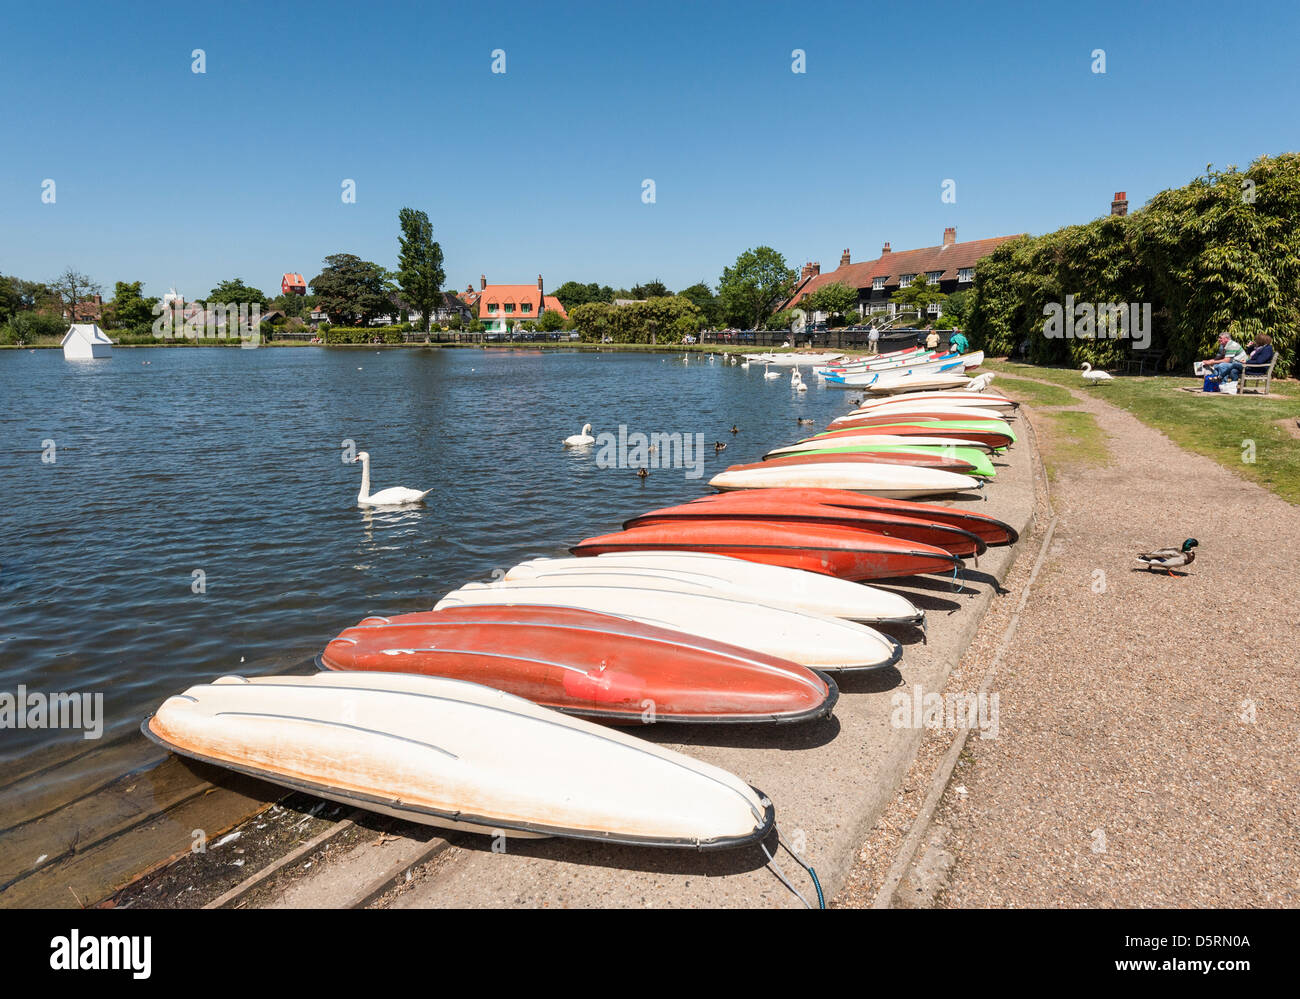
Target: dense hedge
365,334
668,319
1221,253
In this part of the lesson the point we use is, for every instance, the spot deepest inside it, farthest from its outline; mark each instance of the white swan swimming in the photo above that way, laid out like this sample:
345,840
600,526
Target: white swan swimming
796,380
1094,377
582,439
770,374
395,496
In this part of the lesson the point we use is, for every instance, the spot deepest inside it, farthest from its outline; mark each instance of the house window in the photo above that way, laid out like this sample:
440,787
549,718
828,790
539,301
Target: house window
878,284
933,309
526,307
492,308
934,276
966,274
905,280
510,306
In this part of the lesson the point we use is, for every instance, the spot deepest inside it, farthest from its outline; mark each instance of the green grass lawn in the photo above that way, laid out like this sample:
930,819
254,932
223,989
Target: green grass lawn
1245,434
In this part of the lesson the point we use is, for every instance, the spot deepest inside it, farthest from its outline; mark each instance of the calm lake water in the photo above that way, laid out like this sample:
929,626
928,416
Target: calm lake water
227,461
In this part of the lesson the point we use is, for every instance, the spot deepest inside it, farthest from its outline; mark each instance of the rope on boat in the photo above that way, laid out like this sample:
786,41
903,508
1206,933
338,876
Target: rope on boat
771,862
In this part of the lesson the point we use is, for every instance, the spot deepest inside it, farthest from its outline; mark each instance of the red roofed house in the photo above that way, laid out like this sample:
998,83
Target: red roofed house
293,284
502,307
951,266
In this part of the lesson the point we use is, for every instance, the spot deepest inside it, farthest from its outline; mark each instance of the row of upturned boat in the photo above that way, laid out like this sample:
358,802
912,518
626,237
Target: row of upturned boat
743,606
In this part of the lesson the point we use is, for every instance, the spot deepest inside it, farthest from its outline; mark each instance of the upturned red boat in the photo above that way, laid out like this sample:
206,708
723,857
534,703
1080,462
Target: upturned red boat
886,419
846,552
945,536
916,459
992,530
590,664
989,438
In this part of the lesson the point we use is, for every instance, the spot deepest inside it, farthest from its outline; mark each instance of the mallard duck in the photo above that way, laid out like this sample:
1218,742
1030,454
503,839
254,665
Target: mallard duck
643,472
735,429
804,421
1169,558
719,446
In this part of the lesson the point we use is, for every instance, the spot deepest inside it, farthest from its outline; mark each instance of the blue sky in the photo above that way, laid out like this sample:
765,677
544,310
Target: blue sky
171,177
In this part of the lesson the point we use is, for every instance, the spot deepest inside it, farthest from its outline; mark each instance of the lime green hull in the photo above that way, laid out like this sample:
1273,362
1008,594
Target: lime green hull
977,459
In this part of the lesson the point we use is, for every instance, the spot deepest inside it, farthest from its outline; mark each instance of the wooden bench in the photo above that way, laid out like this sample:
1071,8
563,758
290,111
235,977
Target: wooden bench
1257,373
1141,358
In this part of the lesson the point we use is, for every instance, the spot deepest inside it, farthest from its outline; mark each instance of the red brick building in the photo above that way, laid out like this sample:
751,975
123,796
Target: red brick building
950,266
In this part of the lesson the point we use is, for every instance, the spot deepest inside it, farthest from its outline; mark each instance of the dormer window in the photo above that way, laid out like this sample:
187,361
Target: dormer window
510,306
878,284
965,275
905,280
934,276
492,307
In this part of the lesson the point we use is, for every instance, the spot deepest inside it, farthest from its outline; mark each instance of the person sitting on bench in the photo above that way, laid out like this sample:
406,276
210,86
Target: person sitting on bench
1229,350
1261,352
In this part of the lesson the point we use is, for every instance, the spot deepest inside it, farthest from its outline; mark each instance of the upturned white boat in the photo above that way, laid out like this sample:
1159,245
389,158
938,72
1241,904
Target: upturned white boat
917,383
756,582
813,640
927,400
870,440
790,360
459,756
896,481
873,376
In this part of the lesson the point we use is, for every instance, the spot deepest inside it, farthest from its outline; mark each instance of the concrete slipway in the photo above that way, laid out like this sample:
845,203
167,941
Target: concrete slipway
829,781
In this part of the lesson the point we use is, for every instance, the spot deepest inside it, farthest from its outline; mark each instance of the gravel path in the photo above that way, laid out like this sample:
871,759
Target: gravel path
1149,726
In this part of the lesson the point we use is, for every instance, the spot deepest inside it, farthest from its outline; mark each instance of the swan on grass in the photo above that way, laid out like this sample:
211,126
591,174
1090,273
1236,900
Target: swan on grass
582,439
1094,377
395,496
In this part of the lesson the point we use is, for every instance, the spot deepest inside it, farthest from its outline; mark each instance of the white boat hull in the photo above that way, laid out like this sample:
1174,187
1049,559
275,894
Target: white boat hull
895,481
871,440
755,582
812,640
461,756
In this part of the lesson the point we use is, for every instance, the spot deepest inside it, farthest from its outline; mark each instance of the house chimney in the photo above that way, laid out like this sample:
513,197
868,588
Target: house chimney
482,282
950,235
540,291
1120,205
884,249
816,267
469,288
844,258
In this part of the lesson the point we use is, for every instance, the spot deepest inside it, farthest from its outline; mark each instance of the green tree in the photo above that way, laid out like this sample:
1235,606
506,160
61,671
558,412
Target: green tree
837,299
651,289
130,310
352,290
551,322
17,295
701,296
233,291
754,286
72,287
419,264
573,293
